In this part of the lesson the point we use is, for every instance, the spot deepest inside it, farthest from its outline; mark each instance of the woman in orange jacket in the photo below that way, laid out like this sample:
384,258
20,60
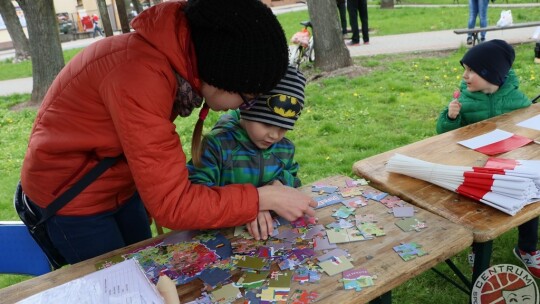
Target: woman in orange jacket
121,95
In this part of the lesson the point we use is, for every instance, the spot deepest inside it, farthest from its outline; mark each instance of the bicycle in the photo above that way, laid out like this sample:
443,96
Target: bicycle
304,42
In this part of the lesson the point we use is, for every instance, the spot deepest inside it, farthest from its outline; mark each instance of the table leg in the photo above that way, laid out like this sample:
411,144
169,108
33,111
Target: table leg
482,257
385,298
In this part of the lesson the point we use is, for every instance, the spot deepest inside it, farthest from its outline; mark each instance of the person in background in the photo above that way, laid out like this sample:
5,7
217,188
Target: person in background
97,29
490,88
121,96
358,8
342,10
249,146
477,8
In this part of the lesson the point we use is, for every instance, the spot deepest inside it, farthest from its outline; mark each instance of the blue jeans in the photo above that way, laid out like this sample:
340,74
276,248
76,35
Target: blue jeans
478,8
79,238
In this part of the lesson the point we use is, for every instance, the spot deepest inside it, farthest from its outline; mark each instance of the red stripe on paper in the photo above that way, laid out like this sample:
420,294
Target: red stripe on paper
501,163
489,170
471,192
509,144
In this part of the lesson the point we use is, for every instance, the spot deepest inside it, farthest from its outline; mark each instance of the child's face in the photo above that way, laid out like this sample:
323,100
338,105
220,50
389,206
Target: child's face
263,135
475,82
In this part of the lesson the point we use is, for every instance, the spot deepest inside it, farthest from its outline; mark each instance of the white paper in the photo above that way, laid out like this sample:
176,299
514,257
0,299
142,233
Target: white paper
121,283
531,123
486,139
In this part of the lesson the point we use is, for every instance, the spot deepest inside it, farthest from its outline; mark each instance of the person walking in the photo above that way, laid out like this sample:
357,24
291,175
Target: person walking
342,9
477,8
97,29
358,8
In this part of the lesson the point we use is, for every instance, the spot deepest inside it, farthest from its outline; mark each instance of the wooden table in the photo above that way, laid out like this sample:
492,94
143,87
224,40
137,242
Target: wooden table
485,222
442,239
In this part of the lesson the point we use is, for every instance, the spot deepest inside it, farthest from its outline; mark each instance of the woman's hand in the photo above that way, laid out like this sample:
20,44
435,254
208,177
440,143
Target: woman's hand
262,226
288,202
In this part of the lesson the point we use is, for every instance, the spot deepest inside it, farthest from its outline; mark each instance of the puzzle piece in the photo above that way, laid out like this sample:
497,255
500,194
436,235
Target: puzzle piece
365,218
340,224
392,201
252,280
322,243
405,211
351,191
344,235
324,189
304,297
226,294
355,202
408,251
374,194
335,265
356,182
371,229
343,212
410,224
327,200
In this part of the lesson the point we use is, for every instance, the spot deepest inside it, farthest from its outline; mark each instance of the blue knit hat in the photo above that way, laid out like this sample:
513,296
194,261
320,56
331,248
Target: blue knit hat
282,105
491,60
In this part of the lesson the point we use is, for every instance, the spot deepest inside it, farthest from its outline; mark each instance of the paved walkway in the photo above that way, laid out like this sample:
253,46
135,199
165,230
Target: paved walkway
392,44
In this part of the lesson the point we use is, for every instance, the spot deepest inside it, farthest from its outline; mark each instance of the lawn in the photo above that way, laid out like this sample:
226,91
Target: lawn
393,100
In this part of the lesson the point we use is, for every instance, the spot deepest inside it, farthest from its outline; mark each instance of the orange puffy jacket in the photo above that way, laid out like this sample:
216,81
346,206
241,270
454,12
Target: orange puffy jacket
114,97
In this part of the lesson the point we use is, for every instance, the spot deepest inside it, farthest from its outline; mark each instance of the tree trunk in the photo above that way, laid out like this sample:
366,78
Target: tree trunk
137,6
122,15
105,19
45,47
15,30
330,50
387,3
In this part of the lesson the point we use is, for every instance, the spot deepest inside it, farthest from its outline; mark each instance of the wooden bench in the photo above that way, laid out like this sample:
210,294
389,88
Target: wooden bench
477,30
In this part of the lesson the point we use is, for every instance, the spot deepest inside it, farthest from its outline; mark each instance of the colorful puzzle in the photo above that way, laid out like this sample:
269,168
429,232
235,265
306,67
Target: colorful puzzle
409,251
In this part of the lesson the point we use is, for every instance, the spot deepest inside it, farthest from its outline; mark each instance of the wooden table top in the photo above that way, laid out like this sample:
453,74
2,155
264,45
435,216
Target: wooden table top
486,222
442,239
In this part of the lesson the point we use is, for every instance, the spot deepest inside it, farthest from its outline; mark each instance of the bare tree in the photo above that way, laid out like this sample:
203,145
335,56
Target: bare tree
105,19
330,50
15,30
122,15
45,47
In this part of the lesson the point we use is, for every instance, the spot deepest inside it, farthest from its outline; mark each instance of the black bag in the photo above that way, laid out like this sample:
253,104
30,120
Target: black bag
35,221
37,230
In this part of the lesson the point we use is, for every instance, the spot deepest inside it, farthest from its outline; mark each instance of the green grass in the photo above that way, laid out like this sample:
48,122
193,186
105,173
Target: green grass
394,101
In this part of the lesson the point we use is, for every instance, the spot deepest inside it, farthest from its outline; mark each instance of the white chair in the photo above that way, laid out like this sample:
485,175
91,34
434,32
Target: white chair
19,253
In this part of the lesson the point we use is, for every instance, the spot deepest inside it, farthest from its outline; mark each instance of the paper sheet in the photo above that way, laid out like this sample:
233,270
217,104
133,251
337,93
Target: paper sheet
531,123
121,283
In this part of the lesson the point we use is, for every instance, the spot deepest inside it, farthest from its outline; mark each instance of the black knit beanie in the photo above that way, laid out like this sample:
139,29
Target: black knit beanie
491,60
282,105
239,44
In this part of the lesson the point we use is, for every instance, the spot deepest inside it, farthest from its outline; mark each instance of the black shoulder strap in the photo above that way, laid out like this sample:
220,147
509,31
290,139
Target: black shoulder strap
77,188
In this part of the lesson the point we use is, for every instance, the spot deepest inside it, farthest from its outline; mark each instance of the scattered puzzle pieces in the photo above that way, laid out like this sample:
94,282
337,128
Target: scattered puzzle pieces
408,251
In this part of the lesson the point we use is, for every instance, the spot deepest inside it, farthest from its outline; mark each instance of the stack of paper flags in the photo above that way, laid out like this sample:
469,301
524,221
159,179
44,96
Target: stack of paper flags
505,188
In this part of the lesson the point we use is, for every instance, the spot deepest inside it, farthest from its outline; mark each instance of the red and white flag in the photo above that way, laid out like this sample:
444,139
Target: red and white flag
495,142
502,189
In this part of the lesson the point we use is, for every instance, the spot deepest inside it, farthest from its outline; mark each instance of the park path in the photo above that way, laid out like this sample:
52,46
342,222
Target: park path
390,44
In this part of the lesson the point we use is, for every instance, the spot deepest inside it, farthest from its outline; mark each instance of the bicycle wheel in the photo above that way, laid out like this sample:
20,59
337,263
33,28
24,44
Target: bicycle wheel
297,57
311,54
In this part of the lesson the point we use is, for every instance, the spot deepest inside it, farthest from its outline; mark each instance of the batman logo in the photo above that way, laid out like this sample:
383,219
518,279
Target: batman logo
284,105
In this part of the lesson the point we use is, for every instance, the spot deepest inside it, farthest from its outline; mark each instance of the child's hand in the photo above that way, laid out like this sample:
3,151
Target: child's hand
262,226
455,106
453,109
